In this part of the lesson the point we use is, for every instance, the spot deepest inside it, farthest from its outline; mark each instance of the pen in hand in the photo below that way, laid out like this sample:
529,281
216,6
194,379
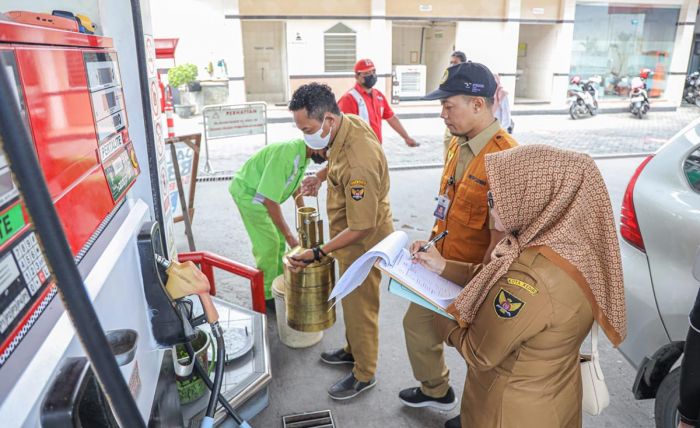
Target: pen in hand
430,243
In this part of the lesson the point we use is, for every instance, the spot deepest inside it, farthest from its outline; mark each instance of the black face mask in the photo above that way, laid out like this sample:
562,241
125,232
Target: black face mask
370,81
317,158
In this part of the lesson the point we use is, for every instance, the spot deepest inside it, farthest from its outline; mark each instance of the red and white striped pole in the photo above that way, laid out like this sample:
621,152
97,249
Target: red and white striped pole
169,113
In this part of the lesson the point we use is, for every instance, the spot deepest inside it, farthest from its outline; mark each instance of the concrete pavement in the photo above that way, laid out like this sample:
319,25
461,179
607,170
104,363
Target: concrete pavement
300,380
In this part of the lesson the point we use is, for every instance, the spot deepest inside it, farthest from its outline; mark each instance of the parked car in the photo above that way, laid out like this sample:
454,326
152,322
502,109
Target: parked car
660,229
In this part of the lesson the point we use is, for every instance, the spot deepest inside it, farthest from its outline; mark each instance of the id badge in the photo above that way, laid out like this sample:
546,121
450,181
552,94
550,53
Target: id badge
443,205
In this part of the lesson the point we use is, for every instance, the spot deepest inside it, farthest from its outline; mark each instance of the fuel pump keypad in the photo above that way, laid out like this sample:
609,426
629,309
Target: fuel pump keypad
31,262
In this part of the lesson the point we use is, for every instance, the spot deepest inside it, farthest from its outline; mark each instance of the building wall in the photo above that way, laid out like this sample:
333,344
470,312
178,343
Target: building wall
536,67
541,9
305,8
205,36
446,8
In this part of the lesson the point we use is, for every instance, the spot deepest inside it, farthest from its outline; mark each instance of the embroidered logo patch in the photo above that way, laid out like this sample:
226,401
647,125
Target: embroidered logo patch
524,285
507,305
357,189
445,75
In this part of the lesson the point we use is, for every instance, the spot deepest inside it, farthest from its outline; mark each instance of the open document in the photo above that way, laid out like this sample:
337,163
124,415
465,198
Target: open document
409,280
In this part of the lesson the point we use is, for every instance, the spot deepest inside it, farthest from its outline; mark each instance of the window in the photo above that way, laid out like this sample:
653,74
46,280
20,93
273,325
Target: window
691,168
339,48
615,42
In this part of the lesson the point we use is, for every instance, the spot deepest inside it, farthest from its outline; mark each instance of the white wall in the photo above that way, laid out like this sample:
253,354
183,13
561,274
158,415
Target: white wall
439,45
498,52
205,35
538,63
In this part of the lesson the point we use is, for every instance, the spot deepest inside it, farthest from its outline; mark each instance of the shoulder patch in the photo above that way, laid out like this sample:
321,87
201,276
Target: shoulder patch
506,305
524,285
357,189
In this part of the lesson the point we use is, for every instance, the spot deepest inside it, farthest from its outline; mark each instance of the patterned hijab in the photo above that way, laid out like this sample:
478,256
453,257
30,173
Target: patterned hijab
555,199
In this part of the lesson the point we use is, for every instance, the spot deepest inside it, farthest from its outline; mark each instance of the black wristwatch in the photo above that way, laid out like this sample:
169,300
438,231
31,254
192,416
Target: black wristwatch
318,253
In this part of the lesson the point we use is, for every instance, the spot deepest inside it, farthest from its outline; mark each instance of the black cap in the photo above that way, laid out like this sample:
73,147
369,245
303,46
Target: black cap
467,78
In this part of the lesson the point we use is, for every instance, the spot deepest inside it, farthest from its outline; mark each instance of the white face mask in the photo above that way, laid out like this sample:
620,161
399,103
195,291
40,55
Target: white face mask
315,141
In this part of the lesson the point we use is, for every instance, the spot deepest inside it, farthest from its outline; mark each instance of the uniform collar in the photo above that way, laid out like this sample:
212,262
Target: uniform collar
362,90
478,143
337,143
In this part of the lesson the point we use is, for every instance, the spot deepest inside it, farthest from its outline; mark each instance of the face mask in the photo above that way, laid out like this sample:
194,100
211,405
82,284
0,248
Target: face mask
370,81
317,158
315,141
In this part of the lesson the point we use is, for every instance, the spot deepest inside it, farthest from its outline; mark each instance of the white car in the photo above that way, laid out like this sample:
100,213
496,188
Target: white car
660,229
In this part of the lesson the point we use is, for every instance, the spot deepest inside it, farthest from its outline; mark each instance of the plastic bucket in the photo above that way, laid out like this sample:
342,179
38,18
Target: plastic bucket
289,336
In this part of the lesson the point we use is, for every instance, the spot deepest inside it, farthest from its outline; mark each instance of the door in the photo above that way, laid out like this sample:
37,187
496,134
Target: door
264,50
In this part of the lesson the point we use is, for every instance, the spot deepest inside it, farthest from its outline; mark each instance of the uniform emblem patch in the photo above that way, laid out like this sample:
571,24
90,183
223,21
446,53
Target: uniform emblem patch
524,285
445,75
507,305
357,189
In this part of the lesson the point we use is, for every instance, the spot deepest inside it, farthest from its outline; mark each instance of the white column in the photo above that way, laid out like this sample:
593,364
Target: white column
562,55
681,53
234,56
380,52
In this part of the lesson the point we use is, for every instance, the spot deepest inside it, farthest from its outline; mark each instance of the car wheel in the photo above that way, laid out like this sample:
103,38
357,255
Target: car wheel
667,400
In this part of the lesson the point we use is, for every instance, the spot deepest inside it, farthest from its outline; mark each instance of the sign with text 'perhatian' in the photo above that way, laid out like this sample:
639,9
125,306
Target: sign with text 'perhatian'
234,121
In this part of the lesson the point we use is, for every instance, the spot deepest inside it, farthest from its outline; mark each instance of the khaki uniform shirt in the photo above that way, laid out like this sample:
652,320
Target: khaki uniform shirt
358,187
522,349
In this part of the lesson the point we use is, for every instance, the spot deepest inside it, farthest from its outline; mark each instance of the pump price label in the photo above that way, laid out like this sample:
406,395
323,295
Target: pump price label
11,222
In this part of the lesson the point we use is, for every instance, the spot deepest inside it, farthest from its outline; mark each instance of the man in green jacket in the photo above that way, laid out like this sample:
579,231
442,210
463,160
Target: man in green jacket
262,184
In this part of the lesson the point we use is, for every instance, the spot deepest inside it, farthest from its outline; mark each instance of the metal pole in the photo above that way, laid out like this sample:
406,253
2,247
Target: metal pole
207,164
183,202
19,149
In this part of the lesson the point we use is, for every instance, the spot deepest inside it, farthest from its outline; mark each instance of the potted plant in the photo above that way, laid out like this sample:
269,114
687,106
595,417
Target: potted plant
181,77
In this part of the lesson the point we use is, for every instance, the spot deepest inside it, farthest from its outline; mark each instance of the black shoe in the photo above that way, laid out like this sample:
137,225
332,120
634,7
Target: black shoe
339,356
414,397
454,423
270,305
349,387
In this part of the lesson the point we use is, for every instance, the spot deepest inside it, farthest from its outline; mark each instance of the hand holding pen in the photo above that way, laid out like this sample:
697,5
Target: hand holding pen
427,255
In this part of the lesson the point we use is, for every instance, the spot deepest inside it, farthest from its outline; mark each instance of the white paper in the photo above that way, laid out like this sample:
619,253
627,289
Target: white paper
389,250
425,282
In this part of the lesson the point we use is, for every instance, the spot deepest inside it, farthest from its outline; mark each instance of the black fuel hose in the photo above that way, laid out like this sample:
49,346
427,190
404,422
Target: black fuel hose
202,373
218,373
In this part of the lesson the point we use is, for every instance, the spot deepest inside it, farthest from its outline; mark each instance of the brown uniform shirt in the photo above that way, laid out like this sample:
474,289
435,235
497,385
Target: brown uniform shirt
522,349
358,187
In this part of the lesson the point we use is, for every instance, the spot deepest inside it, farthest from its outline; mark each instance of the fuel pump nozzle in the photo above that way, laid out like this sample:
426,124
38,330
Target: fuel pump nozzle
184,279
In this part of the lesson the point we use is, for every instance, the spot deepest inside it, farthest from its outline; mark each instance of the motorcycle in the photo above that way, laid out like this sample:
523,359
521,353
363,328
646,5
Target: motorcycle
691,92
584,101
639,100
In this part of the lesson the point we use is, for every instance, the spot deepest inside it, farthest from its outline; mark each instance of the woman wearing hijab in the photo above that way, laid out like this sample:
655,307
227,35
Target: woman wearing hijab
521,318
501,106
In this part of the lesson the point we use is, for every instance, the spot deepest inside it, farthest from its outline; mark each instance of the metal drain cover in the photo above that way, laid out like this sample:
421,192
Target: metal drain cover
320,419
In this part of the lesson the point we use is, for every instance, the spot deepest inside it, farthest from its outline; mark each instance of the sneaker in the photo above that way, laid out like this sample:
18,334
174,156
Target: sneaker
454,423
414,397
339,356
349,387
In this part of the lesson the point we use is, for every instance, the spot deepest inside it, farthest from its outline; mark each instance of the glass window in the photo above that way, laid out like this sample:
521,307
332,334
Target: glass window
616,42
339,49
691,168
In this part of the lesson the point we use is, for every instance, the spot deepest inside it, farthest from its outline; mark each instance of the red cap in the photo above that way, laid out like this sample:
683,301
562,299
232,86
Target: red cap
364,65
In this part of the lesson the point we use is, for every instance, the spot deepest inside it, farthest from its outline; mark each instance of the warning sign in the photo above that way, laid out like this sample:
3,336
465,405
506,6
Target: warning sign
234,121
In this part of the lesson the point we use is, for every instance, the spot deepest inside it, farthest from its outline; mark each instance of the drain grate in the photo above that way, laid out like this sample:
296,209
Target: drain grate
320,419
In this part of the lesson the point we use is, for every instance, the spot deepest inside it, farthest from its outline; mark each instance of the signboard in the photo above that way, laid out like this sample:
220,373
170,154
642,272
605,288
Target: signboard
234,120
187,152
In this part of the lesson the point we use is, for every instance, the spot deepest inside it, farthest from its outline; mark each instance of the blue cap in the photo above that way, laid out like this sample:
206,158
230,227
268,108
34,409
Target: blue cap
467,78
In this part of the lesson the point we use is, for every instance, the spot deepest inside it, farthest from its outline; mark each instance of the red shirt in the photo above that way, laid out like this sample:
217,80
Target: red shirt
377,107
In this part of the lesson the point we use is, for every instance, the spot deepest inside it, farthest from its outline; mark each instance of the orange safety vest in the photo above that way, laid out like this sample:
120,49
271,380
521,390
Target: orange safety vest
469,235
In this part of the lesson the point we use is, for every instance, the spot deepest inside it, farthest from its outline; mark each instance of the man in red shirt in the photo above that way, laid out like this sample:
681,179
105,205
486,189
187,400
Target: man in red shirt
370,104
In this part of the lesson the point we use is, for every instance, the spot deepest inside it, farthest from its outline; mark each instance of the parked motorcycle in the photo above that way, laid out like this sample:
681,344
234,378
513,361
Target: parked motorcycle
584,101
639,99
691,92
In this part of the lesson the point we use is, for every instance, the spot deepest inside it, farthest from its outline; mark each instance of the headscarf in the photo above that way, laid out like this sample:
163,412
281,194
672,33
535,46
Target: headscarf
499,95
554,199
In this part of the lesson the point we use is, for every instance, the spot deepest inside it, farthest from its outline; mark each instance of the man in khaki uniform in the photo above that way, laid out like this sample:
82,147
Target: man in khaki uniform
359,217
466,95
